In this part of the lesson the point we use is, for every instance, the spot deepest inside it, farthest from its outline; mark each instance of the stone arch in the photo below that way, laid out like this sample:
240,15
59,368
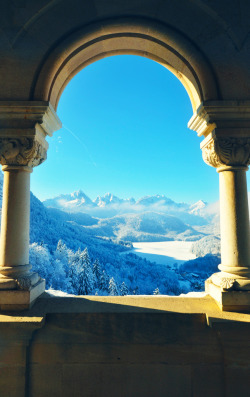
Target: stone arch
125,36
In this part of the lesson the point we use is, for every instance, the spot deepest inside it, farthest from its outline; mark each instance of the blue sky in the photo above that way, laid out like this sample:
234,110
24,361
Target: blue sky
125,132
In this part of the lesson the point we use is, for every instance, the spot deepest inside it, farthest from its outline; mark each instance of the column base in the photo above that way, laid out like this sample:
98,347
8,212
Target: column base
17,277
14,300
227,298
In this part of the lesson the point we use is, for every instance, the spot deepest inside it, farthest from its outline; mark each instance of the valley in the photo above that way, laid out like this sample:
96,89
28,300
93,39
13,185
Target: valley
175,245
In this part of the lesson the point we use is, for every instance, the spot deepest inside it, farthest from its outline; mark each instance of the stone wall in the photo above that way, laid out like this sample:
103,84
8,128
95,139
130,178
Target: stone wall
131,346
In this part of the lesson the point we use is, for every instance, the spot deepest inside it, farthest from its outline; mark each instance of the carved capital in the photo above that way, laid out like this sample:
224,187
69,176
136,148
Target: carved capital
22,151
228,151
24,126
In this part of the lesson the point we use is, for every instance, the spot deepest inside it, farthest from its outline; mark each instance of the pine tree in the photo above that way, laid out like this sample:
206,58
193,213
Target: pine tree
85,256
62,254
124,289
104,282
112,287
74,271
58,279
85,274
97,270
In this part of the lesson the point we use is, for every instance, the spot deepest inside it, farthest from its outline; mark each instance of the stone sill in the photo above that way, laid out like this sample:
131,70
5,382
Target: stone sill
202,305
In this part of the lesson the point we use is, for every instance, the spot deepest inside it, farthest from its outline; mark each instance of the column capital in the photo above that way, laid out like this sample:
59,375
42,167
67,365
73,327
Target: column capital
226,152
22,151
225,125
23,130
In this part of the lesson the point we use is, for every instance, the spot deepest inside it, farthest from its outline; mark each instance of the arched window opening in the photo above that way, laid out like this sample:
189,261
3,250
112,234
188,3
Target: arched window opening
125,132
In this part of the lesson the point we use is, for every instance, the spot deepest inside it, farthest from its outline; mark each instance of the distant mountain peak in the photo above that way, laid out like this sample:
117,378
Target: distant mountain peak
79,194
156,199
199,203
76,201
197,207
109,198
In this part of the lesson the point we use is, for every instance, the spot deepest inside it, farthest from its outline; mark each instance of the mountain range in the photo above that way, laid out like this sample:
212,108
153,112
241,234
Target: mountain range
110,205
76,218
151,218
79,199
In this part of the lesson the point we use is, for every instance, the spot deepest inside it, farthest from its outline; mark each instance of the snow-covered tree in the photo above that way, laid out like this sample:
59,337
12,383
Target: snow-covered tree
61,253
59,279
104,282
40,259
97,271
124,289
85,257
74,271
81,274
112,287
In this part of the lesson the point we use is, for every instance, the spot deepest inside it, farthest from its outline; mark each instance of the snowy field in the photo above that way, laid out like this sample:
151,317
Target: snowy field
165,252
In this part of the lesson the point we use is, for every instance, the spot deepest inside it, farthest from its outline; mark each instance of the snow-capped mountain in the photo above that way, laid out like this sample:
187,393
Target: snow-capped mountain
109,205
80,202
198,208
110,199
76,202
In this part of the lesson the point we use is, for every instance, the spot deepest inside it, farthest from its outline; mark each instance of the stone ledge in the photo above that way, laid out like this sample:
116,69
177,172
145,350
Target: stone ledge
204,306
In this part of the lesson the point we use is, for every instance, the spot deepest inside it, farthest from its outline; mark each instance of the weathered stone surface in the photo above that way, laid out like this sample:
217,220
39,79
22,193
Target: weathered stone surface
133,349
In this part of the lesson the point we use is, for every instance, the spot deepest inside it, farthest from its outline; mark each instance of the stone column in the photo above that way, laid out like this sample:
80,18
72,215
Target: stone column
227,148
234,215
18,156
230,156
14,242
20,150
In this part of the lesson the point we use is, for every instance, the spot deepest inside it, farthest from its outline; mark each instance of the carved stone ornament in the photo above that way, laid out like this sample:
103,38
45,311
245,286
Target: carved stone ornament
22,151
227,284
229,151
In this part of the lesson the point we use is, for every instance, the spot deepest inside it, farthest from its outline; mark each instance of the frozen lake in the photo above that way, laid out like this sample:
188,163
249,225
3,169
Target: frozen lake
165,252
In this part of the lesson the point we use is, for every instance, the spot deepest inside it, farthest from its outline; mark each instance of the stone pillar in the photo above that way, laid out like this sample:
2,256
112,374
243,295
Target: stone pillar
230,156
14,242
234,215
226,127
20,150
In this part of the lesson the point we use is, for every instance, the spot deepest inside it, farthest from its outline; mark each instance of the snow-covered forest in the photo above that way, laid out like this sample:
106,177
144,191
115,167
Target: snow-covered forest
78,273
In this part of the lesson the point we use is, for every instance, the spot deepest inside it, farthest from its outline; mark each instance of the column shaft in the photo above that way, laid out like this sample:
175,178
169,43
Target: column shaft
234,214
14,244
